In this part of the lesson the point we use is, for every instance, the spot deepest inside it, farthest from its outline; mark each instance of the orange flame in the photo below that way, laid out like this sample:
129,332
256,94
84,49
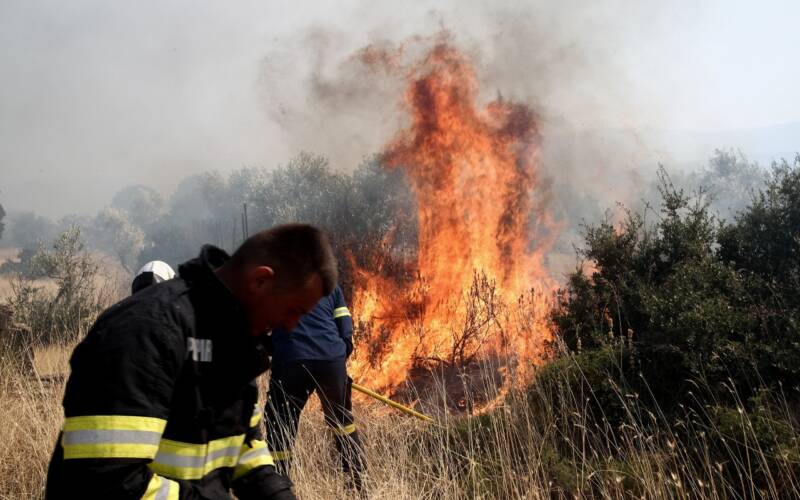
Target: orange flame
482,232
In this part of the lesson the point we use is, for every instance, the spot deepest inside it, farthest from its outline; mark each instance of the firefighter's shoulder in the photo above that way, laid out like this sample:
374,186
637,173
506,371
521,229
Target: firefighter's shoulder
153,319
129,361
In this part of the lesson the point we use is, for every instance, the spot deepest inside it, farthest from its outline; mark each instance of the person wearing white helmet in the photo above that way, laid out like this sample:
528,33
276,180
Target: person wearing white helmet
151,273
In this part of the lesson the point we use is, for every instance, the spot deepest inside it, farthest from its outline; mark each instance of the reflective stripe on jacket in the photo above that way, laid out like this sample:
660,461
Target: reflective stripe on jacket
161,401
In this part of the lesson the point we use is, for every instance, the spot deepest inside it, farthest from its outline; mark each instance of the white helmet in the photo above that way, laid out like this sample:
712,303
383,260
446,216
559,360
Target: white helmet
151,273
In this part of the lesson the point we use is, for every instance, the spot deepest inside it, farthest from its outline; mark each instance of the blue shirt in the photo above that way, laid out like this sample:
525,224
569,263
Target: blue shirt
324,334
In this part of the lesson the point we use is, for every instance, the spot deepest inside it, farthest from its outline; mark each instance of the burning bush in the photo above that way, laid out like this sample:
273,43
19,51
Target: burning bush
481,220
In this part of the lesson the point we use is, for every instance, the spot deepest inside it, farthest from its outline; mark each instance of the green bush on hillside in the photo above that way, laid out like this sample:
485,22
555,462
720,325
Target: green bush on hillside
696,320
724,295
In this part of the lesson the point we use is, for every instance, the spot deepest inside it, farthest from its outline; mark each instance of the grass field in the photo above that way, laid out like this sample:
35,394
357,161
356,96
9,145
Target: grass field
518,451
509,455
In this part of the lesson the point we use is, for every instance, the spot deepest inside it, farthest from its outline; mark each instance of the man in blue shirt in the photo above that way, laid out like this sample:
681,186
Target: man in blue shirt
313,357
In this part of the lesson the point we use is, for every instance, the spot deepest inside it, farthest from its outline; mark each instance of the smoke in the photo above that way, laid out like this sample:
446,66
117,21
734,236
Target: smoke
550,58
94,98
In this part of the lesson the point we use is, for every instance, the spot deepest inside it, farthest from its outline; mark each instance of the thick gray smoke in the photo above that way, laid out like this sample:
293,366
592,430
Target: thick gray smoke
541,57
95,98
347,108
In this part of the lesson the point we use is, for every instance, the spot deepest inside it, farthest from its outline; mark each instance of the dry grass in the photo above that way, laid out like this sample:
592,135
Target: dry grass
509,455
30,416
30,404
5,286
5,281
51,361
518,451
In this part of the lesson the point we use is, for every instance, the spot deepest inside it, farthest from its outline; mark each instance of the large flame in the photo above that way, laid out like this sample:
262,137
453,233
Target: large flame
480,284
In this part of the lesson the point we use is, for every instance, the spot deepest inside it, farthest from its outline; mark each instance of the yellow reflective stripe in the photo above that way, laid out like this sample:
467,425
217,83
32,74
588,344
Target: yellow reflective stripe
161,488
281,455
106,450
340,311
189,461
254,455
256,418
115,422
344,431
199,449
111,436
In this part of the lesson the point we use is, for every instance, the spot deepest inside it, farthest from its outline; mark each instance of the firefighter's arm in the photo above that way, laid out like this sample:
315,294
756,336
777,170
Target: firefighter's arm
116,406
255,476
343,319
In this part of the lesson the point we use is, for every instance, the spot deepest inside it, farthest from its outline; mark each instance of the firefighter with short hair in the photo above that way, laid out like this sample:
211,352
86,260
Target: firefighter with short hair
161,402
313,358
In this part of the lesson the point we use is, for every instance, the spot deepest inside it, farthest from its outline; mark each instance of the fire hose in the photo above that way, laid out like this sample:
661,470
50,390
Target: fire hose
393,404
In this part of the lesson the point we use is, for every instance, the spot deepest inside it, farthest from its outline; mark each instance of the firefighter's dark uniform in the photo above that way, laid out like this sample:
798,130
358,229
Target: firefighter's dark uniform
312,358
161,401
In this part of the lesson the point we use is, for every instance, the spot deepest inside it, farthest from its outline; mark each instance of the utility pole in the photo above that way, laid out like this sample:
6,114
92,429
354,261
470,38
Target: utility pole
245,229
246,222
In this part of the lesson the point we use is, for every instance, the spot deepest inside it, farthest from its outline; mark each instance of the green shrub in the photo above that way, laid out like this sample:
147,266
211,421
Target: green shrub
693,322
68,311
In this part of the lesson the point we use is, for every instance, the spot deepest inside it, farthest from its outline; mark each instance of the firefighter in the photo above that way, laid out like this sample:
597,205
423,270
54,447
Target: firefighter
312,358
151,273
161,400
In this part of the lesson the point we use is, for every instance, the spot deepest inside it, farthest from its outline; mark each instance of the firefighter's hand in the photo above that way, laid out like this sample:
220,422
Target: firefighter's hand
268,346
349,345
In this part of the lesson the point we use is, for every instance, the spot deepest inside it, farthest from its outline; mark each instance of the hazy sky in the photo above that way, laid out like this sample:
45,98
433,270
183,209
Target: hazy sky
97,95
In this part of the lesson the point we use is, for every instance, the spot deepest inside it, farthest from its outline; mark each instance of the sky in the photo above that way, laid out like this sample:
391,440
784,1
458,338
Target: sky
97,95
